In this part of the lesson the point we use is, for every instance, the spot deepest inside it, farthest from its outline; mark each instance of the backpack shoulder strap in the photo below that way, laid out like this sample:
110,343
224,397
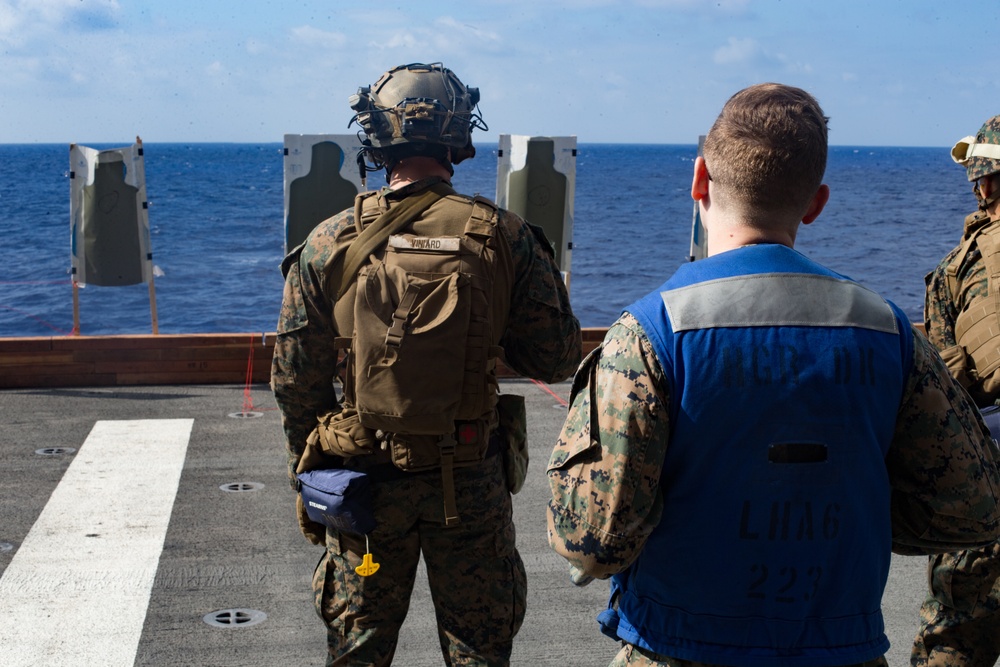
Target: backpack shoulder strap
482,220
378,232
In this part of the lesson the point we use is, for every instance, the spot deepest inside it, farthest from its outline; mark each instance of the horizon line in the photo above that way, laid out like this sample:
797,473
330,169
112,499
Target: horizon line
481,143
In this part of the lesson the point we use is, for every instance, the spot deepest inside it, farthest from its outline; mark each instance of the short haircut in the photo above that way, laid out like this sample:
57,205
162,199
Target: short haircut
767,149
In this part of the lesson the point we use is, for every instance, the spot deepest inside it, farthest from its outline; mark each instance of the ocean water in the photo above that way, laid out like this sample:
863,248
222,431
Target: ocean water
216,230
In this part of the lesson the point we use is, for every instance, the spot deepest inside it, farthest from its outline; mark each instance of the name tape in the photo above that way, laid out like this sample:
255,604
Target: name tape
429,243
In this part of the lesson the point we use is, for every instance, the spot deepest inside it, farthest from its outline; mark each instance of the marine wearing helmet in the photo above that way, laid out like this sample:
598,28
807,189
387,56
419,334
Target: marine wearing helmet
960,624
980,155
416,109
443,273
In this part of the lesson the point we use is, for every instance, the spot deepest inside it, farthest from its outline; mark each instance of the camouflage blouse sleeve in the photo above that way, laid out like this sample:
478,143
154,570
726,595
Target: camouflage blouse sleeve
942,464
940,310
542,339
604,472
305,361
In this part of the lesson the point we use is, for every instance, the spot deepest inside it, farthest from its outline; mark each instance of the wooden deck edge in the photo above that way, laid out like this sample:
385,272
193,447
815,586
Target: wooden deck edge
135,360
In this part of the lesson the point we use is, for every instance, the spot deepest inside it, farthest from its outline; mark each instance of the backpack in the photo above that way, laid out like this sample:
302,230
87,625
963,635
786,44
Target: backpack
420,374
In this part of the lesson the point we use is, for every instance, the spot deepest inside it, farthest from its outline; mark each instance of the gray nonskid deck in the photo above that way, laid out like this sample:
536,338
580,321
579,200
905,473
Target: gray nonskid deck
239,549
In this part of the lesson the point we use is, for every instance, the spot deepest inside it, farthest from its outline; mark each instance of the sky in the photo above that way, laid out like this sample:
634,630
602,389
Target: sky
886,72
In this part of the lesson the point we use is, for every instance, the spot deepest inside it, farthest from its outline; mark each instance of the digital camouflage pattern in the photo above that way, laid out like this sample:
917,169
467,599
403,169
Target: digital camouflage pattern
942,306
542,341
477,578
605,485
633,656
604,471
977,167
960,619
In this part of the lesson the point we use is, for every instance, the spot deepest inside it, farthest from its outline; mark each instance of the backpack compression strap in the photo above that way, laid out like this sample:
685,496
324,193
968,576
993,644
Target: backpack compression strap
379,231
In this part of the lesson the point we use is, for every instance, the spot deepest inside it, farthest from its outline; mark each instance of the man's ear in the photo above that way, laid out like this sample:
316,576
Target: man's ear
817,204
699,183
987,186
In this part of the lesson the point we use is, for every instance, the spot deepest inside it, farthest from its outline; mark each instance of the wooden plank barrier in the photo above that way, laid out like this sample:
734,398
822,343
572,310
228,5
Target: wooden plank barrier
164,359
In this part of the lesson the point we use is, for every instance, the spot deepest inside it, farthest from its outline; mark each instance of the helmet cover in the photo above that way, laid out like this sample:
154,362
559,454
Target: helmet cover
418,104
980,155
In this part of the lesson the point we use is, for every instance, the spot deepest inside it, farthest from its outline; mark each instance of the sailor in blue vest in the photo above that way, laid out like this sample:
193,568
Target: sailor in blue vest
753,439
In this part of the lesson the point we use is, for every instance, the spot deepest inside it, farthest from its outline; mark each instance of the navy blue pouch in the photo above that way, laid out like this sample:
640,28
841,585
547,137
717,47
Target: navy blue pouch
340,499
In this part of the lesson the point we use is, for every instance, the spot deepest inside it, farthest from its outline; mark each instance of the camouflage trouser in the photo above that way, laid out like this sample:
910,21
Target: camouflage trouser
476,576
633,656
960,619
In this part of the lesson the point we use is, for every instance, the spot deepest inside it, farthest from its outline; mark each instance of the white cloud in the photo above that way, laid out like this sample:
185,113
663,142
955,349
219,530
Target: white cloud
23,20
572,59
468,30
399,40
737,51
749,52
310,36
729,6
255,47
790,65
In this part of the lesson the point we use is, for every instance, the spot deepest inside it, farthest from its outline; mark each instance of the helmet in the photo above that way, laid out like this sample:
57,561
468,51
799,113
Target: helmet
980,155
418,107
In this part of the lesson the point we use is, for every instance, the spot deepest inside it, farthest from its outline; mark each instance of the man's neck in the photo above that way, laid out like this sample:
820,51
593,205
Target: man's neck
993,211
730,234
415,169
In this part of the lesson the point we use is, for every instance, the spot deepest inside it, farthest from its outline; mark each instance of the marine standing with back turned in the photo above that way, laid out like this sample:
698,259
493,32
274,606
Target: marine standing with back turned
960,619
423,290
752,439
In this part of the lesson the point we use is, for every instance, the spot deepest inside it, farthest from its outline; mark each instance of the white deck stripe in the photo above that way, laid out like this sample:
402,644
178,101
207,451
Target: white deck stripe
77,589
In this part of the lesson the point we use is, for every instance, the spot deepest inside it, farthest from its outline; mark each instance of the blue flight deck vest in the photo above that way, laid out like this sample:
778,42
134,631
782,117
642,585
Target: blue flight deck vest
785,380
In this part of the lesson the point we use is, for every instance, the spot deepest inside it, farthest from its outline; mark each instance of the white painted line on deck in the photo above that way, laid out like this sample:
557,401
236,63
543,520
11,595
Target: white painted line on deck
77,590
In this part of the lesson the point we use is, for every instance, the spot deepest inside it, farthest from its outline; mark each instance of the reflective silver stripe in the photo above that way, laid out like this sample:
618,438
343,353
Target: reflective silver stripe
777,299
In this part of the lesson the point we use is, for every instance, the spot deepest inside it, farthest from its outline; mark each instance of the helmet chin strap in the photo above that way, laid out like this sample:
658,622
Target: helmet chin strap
363,169
986,202
466,152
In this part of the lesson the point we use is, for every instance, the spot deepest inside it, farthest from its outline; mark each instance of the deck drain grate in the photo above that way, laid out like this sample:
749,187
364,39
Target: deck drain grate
241,487
246,414
54,451
234,618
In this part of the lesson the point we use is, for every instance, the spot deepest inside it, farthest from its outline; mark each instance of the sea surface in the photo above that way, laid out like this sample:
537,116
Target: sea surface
216,222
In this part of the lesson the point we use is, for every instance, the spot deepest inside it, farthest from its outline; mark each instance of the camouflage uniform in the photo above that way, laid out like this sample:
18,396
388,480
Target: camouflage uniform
941,307
960,619
633,656
605,469
476,576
